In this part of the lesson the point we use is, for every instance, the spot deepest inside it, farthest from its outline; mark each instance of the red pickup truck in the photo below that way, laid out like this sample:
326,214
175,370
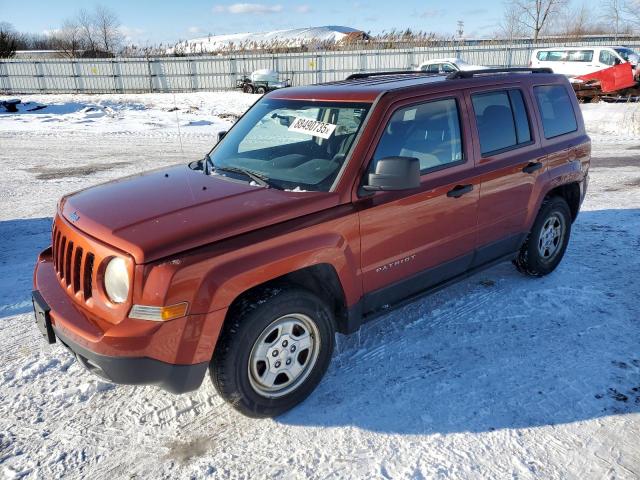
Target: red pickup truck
322,206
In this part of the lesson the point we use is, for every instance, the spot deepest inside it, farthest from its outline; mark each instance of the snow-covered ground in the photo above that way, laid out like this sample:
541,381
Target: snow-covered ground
500,376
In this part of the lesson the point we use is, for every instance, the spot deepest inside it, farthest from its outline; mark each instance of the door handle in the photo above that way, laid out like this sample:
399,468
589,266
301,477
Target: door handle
532,167
459,190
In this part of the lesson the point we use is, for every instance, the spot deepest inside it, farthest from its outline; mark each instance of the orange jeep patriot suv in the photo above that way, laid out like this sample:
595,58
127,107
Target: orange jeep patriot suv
320,207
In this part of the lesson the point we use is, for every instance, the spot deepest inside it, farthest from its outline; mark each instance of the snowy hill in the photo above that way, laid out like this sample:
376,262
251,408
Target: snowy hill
296,37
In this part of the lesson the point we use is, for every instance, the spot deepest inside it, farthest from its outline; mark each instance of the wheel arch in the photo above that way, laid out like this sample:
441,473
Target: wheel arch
321,279
570,192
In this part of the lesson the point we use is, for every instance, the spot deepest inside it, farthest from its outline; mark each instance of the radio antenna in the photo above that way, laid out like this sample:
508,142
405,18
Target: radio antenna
175,107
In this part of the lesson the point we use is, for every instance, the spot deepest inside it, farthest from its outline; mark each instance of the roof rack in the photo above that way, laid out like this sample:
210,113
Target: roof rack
488,71
355,76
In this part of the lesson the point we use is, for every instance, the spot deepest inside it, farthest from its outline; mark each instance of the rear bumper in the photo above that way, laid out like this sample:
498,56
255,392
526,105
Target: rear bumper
173,355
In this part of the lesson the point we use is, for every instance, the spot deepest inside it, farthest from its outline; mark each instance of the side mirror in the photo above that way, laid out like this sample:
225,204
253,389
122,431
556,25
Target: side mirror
395,173
284,120
617,61
221,135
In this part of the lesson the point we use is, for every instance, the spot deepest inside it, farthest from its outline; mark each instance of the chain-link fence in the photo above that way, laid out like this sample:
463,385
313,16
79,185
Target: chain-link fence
207,73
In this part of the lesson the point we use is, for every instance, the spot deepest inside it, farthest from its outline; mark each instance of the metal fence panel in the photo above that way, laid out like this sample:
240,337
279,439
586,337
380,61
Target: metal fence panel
220,72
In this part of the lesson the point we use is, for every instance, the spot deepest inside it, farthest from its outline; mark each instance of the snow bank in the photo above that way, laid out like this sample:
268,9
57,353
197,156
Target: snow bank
499,376
151,114
612,119
289,38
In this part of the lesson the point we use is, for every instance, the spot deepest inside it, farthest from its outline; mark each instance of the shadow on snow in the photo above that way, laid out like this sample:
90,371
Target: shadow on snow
497,350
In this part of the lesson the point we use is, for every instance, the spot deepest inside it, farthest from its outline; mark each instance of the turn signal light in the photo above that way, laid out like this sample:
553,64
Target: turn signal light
159,314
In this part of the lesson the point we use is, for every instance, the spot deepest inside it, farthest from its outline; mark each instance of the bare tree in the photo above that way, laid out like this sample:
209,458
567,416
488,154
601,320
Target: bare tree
573,22
8,40
615,9
535,15
107,26
510,26
632,12
69,39
88,30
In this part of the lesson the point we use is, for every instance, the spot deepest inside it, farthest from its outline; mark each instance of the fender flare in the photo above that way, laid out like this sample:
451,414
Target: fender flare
228,279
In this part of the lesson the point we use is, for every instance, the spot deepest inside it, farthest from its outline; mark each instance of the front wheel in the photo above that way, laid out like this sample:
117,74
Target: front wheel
273,352
544,248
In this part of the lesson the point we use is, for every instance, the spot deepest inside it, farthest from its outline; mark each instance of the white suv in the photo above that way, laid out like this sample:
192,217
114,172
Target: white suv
576,61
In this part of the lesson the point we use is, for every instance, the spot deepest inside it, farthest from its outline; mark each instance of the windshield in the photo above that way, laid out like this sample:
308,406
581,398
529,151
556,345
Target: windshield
293,144
627,54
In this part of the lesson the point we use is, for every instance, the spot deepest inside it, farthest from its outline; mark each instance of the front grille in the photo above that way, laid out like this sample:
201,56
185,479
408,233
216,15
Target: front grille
73,265
88,276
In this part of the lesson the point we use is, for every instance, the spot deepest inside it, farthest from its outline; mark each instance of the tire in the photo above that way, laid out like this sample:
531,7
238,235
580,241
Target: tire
259,365
261,90
248,88
547,241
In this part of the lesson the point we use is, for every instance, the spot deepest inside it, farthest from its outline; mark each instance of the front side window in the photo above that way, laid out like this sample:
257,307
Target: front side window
429,132
292,143
502,120
431,68
607,57
556,110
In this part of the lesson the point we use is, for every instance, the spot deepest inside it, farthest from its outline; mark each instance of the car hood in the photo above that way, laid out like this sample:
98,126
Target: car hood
166,211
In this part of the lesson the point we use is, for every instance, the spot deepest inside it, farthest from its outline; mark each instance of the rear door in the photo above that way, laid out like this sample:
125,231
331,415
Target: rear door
413,239
510,161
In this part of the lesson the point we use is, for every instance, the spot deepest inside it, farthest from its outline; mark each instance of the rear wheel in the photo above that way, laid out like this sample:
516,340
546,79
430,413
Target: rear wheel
261,90
273,351
544,248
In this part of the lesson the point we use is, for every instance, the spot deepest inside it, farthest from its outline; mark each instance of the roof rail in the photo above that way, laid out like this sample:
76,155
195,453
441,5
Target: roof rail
355,76
488,71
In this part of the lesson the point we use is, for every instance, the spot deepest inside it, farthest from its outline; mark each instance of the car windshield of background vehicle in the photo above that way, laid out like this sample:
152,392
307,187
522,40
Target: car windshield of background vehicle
295,144
627,54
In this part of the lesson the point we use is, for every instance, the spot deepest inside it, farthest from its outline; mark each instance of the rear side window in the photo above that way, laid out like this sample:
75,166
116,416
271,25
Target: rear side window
556,110
429,132
580,55
502,120
552,56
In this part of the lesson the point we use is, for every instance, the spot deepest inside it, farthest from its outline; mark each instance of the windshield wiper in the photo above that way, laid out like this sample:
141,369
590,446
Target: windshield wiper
208,166
259,179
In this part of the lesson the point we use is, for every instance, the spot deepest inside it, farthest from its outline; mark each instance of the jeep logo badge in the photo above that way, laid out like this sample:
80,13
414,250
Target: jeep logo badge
74,217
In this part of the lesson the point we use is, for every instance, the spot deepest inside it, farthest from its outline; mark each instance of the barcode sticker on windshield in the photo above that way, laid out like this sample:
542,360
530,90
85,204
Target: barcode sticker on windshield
312,127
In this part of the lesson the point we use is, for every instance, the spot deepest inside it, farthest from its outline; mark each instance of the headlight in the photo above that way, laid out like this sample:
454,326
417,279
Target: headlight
116,280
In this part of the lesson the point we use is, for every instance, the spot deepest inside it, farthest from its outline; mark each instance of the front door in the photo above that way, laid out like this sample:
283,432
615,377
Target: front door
415,239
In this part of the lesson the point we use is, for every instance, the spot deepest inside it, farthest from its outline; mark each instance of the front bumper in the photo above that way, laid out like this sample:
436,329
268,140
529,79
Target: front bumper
173,355
138,370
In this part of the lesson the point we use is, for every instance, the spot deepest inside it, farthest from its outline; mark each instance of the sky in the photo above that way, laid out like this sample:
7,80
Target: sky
151,22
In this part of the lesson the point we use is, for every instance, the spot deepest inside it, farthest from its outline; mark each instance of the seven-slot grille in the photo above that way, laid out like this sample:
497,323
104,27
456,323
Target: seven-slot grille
73,265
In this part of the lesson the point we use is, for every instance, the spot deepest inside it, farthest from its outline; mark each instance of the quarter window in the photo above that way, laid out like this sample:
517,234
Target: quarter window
502,120
556,110
429,132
